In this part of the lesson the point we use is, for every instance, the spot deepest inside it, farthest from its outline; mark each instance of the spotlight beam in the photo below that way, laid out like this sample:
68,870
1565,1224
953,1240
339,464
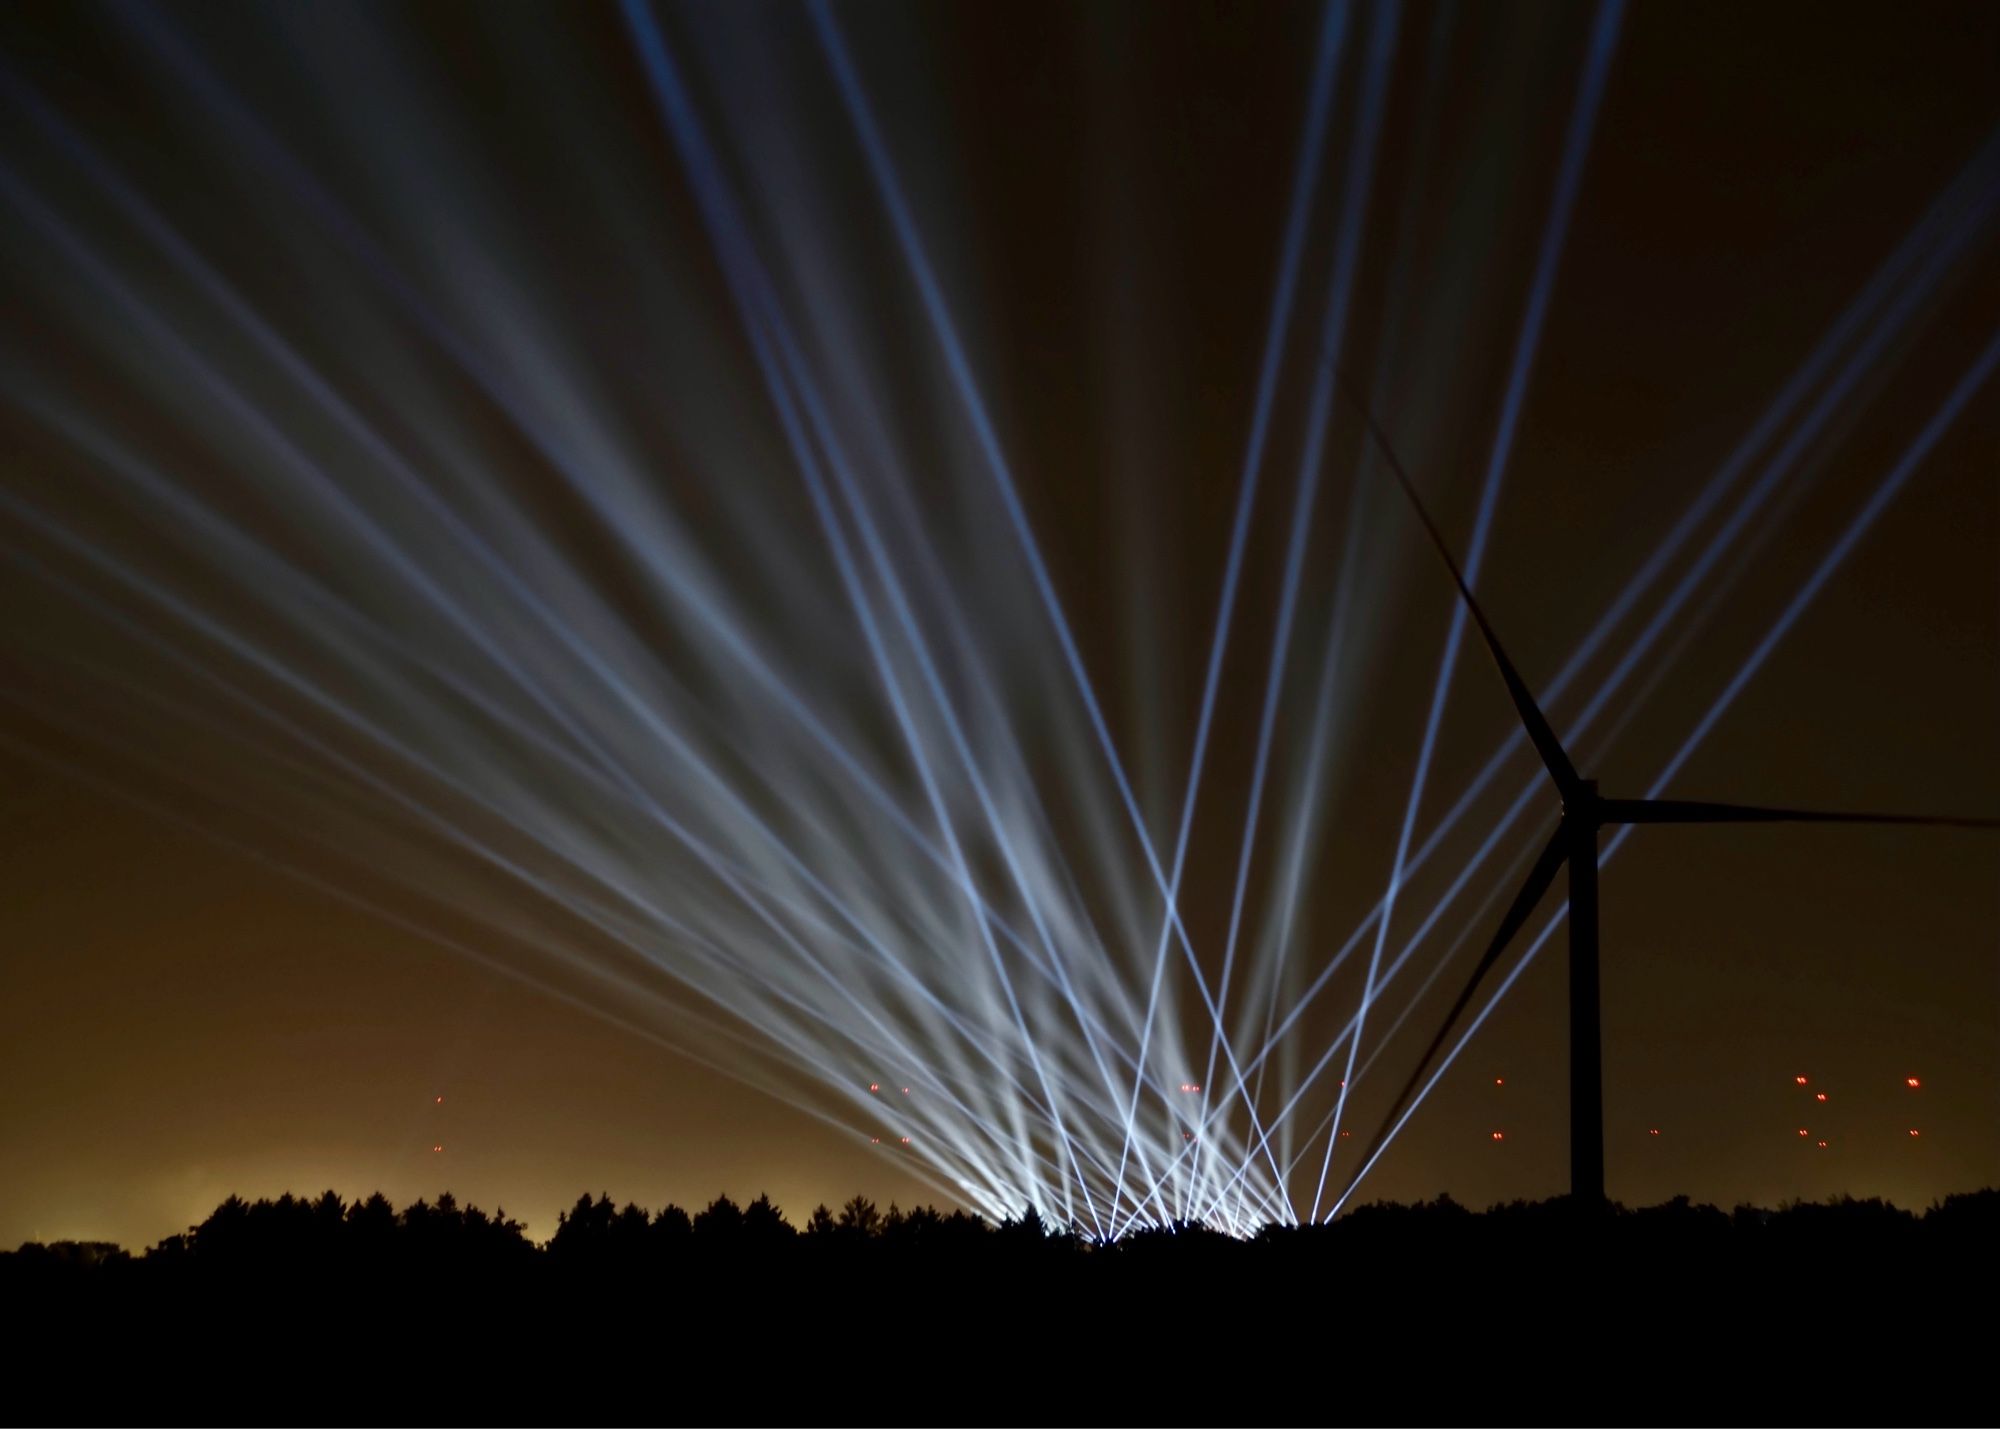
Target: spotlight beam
1333,329
327,398
1576,149
876,154
993,1200
348,232
1961,211
1538,882
1584,812
382,544
1333,29
478,536
1904,305
891,1047
760,311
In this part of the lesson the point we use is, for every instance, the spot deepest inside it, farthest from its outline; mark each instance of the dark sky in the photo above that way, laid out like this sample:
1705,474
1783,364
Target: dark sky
1103,190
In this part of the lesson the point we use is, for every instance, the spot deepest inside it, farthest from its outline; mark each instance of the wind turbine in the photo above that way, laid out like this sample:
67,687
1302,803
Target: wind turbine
1574,844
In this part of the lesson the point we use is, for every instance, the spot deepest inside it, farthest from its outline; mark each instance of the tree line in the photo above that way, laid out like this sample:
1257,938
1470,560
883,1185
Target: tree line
596,1232
320,1310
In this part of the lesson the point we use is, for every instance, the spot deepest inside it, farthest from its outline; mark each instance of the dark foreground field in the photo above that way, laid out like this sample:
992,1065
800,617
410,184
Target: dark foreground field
294,1312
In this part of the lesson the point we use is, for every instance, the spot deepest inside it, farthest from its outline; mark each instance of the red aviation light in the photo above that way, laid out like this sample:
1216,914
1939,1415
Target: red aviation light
1800,1080
1499,1136
1911,1082
1819,1096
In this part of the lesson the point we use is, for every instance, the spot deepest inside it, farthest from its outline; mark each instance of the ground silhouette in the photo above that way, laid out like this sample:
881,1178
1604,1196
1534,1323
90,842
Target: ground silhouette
315,1309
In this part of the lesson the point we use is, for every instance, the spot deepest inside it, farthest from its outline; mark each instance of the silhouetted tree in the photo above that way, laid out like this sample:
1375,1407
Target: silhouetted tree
764,1223
1027,1228
628,1233
820,1222
671,1226
584,1231
371,1229
226,1231
964,1225
721,1219
1681,1219
859,1218
1965,1213
418,1224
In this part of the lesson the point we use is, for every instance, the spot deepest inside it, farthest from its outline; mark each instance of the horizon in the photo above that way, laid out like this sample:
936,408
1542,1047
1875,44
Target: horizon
1442,1201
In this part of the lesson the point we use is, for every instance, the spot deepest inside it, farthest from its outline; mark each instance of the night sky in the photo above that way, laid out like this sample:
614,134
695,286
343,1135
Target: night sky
232,957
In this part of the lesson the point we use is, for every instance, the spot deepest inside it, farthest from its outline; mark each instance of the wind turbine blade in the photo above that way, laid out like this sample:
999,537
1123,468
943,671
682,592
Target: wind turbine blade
1554,757
1531,891
1696,811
